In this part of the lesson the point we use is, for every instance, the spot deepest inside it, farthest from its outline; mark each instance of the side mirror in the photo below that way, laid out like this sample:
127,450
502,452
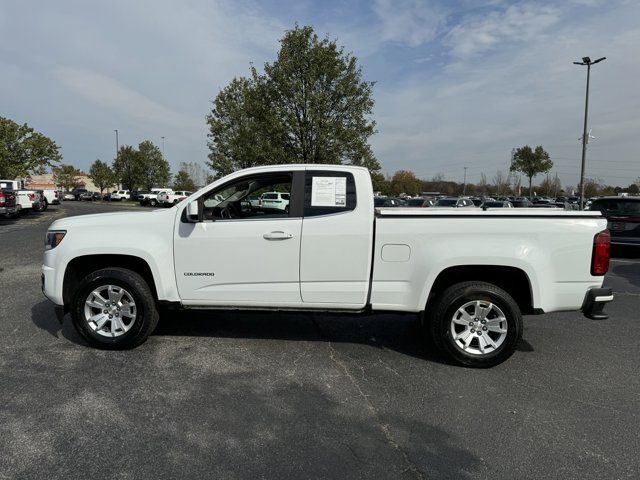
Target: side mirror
194,211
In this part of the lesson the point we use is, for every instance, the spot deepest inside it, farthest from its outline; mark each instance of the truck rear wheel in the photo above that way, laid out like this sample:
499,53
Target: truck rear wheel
476,324
114,309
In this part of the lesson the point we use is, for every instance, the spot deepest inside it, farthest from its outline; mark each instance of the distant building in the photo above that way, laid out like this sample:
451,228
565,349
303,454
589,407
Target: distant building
47,182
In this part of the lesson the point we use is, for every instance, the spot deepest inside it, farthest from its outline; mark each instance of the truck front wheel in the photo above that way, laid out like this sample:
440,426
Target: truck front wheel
476,324
113,309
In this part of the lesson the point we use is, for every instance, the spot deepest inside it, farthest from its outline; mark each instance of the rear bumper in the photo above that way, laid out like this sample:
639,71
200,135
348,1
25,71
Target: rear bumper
594,302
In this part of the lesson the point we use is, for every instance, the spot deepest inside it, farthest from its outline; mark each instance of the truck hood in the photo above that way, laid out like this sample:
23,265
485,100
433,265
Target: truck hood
108,221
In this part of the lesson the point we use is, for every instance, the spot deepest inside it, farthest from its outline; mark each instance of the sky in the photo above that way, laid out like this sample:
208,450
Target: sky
458,83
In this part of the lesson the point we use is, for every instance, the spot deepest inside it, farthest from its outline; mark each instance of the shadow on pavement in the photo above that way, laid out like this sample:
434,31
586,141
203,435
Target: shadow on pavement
630,271
43,317
398,332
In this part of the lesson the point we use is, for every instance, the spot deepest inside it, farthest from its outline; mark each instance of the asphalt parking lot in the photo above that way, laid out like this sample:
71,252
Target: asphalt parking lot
270,395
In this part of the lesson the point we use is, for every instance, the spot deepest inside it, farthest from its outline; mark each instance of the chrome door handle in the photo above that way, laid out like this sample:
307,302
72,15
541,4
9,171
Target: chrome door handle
279,235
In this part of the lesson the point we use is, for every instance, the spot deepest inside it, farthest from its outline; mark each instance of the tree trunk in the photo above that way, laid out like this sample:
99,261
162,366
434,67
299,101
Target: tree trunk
530,189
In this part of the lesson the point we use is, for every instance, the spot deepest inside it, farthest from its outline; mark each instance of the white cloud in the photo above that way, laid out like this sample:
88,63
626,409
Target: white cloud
114,95
412,22
515,24
473,114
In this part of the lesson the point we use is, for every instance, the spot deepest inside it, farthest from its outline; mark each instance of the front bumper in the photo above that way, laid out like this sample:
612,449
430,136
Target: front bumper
594,302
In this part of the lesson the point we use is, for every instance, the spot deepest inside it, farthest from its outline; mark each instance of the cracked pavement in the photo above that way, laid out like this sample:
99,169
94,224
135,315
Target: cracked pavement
230,394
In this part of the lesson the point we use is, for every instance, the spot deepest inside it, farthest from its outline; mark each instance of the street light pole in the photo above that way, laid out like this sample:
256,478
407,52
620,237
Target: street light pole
117,144
585,61
162,147
464,186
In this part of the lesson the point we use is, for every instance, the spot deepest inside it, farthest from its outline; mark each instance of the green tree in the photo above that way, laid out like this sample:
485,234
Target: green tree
155,170
101,175
531,162
591,187
67,176
23,150
128,167
380,183
405,181
183,181
310,106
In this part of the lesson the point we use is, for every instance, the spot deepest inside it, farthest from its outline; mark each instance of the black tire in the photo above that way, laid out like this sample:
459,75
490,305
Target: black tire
146,311
123,199
153,202
46,204
439,322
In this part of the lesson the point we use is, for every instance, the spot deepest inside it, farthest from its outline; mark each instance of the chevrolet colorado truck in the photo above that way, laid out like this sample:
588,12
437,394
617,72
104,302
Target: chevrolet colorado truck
468,274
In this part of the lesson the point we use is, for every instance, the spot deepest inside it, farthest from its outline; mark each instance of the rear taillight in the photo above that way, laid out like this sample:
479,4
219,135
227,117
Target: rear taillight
55,193
32,196
601,253
2,200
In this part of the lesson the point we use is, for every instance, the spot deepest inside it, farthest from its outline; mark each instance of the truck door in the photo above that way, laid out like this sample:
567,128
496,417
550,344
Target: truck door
337,238
241,254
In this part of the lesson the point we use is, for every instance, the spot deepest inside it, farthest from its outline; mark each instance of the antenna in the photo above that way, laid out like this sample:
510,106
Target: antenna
589,136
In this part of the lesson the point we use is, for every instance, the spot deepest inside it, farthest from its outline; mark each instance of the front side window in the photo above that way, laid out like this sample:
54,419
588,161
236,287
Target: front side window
260,196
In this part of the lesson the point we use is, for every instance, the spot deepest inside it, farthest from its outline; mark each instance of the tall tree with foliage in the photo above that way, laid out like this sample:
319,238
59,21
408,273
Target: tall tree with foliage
405,181
67,176
128,167
155,169
183,181
311,105
531,162
23,150
101,175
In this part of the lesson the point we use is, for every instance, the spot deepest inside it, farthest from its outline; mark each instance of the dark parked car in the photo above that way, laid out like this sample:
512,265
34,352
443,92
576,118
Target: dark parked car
623,215
386,202
454,202
497,204
8,203
420,202
522,203
76,192
137,195
90,196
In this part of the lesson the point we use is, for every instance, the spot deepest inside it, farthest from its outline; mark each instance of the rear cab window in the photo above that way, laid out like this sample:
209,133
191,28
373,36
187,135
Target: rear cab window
328,192
621,207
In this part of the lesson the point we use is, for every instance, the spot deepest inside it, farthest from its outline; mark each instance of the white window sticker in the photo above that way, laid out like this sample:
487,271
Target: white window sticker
329,192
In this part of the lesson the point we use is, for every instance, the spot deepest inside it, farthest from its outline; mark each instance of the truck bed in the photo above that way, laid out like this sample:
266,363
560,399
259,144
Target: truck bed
478,212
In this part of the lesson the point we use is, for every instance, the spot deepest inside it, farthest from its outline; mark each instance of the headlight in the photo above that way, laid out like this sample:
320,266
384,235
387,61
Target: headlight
53,238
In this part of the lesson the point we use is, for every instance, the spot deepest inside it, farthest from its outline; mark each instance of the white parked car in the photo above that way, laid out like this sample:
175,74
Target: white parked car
68,196
331,251
169,198
120,195
275,201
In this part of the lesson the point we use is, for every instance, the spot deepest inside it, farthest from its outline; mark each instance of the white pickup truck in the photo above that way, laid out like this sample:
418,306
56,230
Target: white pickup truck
469,274
170,197
25,198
